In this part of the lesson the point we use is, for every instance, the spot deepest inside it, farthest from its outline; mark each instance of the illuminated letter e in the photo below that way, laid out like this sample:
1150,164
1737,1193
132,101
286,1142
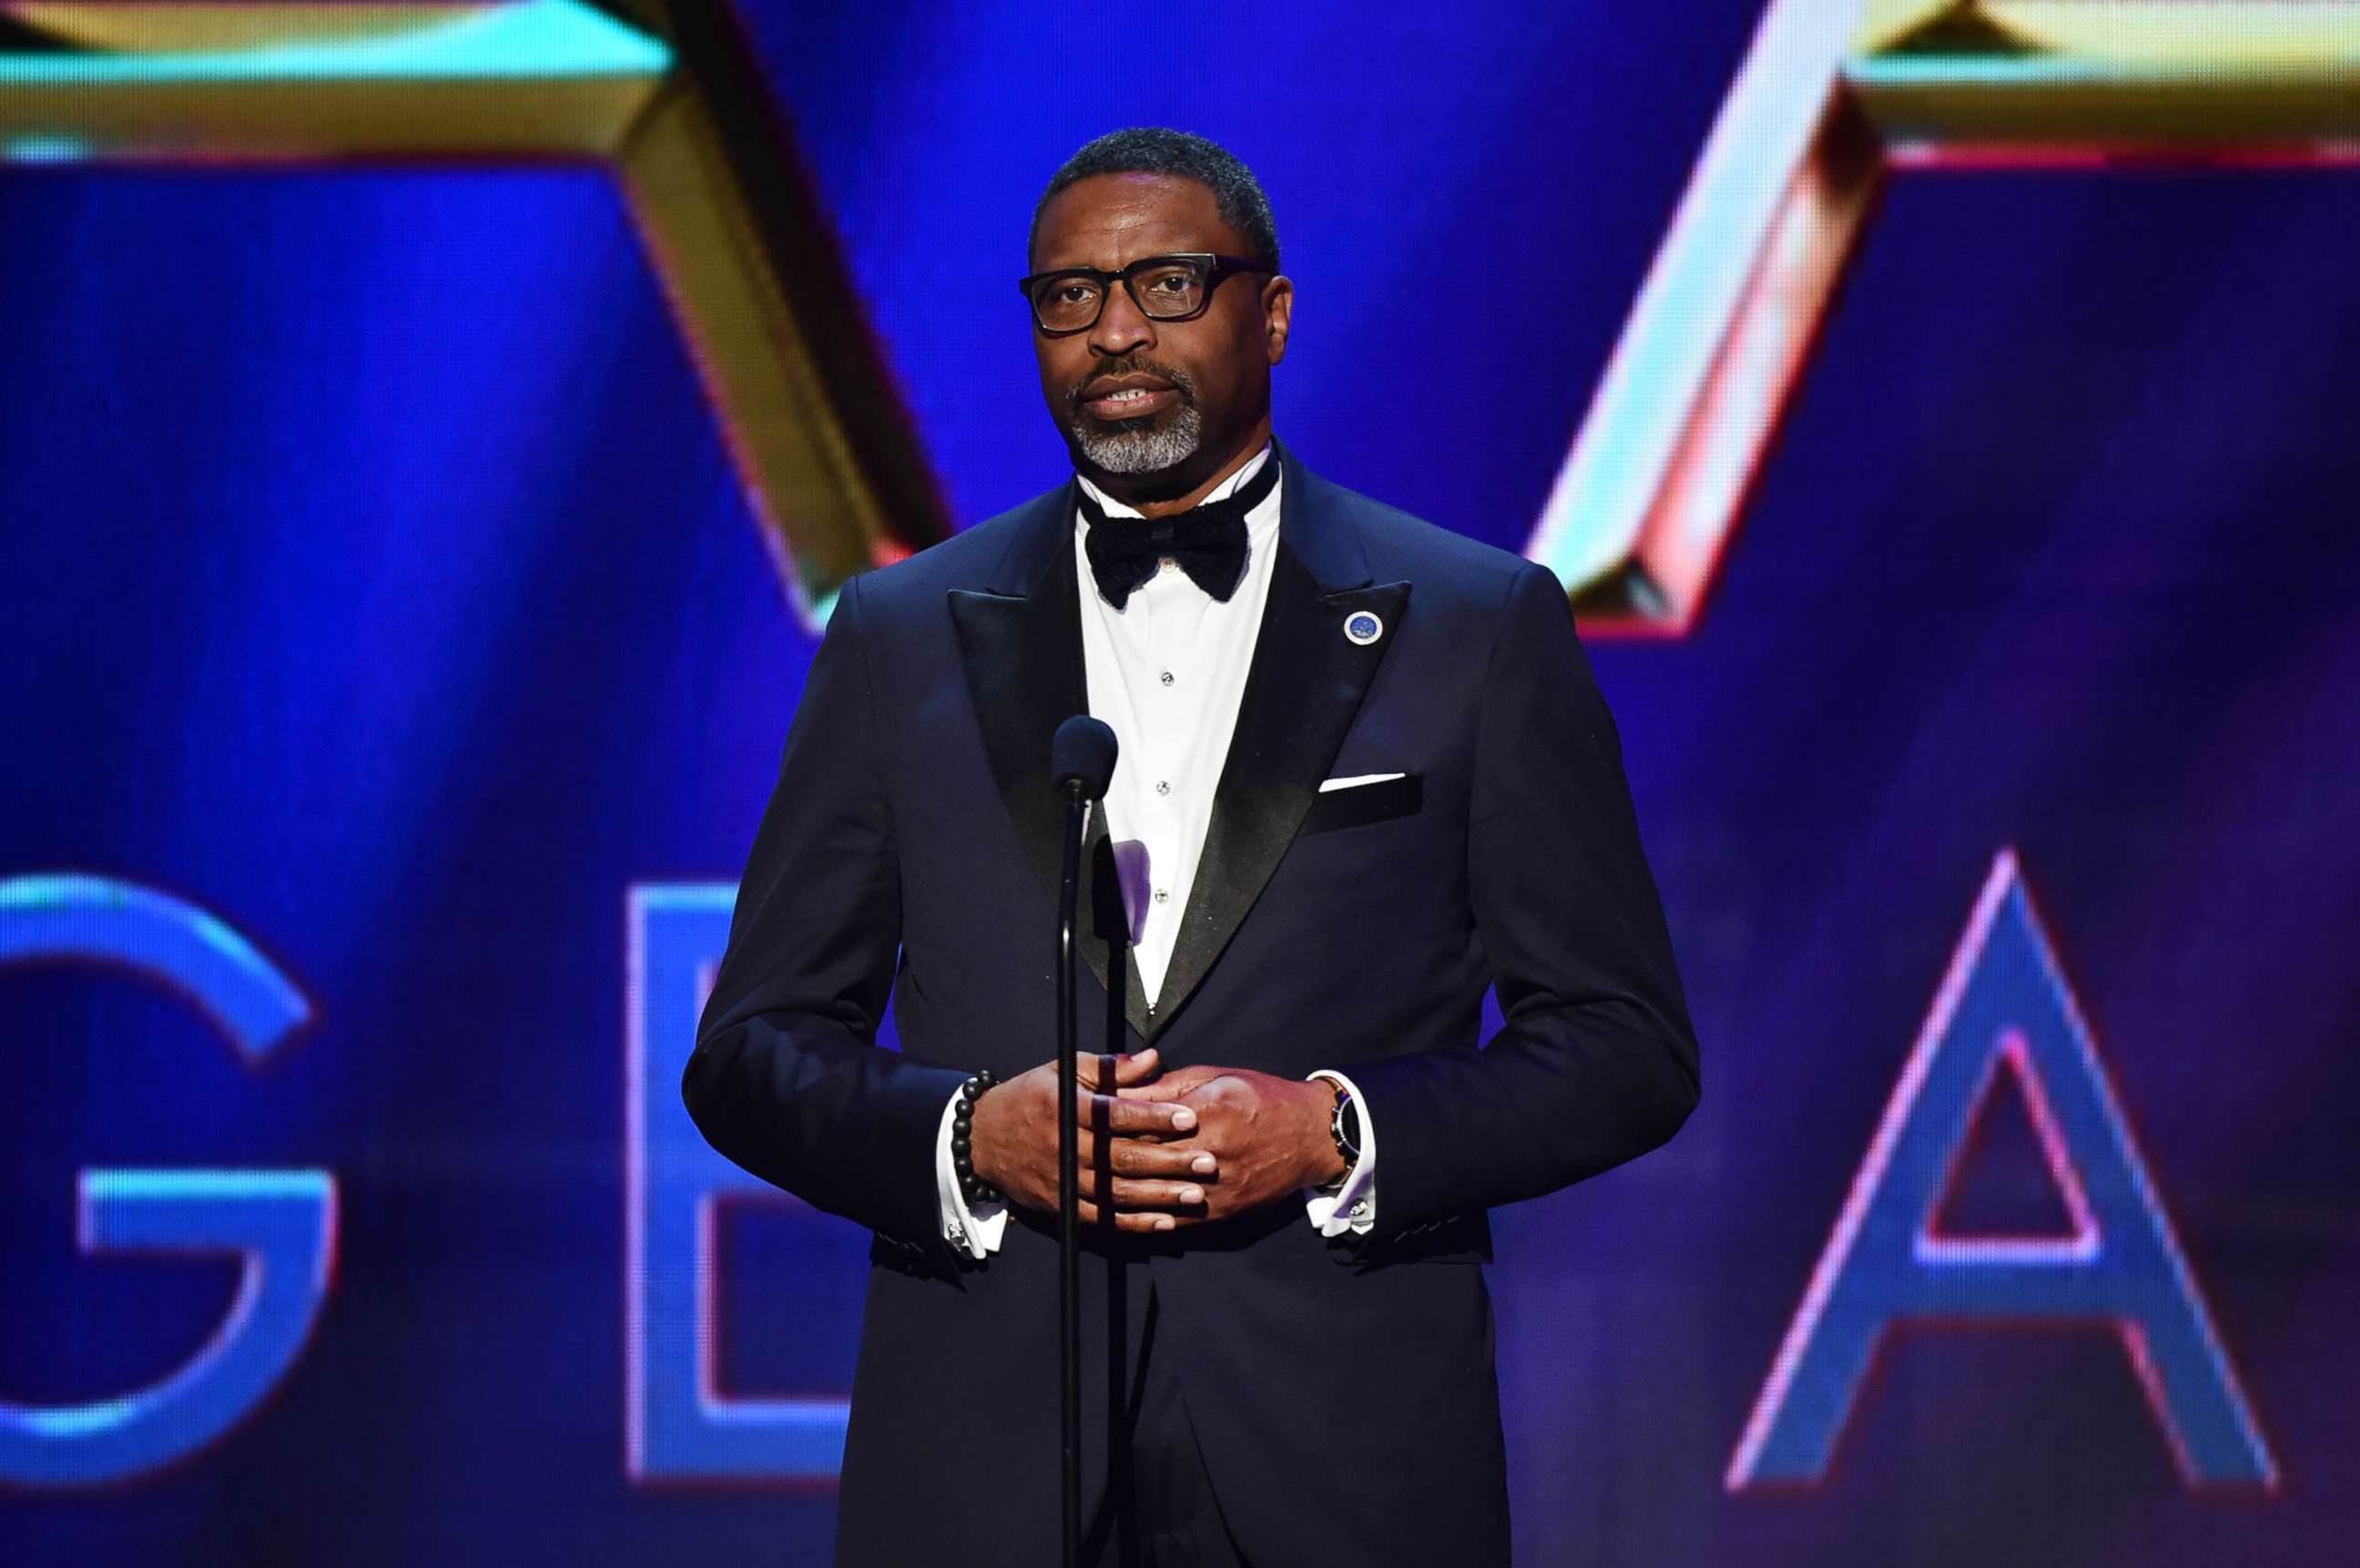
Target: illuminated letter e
679,1425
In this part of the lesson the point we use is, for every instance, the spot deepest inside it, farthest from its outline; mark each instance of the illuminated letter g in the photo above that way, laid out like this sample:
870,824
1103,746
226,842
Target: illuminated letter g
282,1223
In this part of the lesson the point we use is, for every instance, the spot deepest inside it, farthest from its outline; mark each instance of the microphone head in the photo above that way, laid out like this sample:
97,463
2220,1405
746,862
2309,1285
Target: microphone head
1083,754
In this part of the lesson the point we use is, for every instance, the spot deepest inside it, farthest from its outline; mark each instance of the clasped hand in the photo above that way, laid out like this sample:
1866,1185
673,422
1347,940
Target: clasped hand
1163,1149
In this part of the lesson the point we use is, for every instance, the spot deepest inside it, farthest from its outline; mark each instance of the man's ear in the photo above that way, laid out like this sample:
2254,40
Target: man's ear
1277,315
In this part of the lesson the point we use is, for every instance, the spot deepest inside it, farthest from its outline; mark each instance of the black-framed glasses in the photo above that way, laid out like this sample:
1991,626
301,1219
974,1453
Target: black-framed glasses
1165,289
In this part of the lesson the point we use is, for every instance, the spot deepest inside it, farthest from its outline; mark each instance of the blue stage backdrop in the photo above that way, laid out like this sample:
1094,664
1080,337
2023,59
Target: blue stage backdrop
393,670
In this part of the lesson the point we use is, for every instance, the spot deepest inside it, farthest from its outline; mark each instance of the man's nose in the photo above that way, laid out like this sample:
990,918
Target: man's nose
1122,326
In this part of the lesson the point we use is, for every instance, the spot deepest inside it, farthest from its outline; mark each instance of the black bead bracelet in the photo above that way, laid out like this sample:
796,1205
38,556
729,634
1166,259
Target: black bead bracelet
972,1188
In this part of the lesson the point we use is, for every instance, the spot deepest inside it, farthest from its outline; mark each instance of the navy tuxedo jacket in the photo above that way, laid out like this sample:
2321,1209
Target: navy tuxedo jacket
1343,1390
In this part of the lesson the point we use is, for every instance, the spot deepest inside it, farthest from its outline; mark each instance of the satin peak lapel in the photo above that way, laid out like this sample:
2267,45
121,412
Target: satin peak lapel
1022,649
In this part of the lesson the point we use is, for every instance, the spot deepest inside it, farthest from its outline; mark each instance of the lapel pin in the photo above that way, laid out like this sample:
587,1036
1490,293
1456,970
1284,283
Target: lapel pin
1363,627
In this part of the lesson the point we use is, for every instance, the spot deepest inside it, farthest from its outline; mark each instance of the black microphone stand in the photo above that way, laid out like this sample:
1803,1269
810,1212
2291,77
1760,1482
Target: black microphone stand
1069,1261
1081,761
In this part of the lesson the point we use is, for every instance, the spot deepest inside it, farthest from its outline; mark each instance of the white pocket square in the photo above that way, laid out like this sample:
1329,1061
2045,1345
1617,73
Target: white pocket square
1357,780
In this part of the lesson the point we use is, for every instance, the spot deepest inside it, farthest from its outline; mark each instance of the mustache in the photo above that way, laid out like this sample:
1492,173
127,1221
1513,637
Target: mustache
1182,386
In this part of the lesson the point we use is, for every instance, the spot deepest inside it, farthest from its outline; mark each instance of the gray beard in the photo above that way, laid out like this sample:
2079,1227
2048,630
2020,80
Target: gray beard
1147,451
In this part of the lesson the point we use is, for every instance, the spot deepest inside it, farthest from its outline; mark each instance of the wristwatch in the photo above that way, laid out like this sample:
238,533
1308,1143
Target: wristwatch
1344,1126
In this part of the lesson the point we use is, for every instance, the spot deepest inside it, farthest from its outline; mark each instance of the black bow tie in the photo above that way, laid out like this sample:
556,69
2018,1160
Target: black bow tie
1208,542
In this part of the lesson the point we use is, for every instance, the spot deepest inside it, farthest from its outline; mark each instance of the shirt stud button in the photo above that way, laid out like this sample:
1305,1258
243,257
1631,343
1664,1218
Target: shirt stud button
1163,895
1166,678
1162,786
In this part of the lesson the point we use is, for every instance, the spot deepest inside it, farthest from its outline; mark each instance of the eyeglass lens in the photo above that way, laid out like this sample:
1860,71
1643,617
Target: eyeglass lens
1165,292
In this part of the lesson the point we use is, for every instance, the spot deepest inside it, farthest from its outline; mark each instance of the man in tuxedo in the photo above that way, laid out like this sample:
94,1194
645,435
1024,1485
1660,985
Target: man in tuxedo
1365,773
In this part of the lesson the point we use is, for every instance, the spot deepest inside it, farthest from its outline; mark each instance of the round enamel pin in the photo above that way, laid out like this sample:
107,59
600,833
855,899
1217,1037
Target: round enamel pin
1363,627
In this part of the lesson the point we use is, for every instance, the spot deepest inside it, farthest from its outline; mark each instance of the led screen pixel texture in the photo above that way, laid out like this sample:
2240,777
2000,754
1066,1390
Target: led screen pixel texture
374,582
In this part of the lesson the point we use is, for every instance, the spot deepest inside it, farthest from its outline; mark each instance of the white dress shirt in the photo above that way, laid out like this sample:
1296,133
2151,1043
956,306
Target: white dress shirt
1166,672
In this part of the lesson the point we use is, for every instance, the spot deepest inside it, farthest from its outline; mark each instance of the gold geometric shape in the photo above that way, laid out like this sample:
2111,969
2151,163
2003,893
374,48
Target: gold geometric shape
1831,94
664,93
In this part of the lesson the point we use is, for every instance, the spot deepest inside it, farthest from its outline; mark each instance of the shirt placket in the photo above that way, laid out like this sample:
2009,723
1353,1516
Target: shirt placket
1163,788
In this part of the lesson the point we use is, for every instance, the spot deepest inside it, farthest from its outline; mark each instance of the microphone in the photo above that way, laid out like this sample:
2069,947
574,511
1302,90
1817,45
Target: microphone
1081,764
1082,756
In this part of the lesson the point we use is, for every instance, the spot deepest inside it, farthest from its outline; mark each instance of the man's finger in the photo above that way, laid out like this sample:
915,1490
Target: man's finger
1134,1154
1174,1085
1130,1194
1137,1118
1133,1219
1091,1067
1131,1118
1144,1156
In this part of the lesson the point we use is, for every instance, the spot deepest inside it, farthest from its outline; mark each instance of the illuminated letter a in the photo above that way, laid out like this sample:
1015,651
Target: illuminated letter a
2004,1002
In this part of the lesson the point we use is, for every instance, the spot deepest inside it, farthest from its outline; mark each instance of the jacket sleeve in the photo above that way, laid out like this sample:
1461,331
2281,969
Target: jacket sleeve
1596,1061
787,1078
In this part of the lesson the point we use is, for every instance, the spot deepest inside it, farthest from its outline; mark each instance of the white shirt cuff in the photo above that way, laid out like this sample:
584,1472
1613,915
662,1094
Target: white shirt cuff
1352,1208
973,1229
